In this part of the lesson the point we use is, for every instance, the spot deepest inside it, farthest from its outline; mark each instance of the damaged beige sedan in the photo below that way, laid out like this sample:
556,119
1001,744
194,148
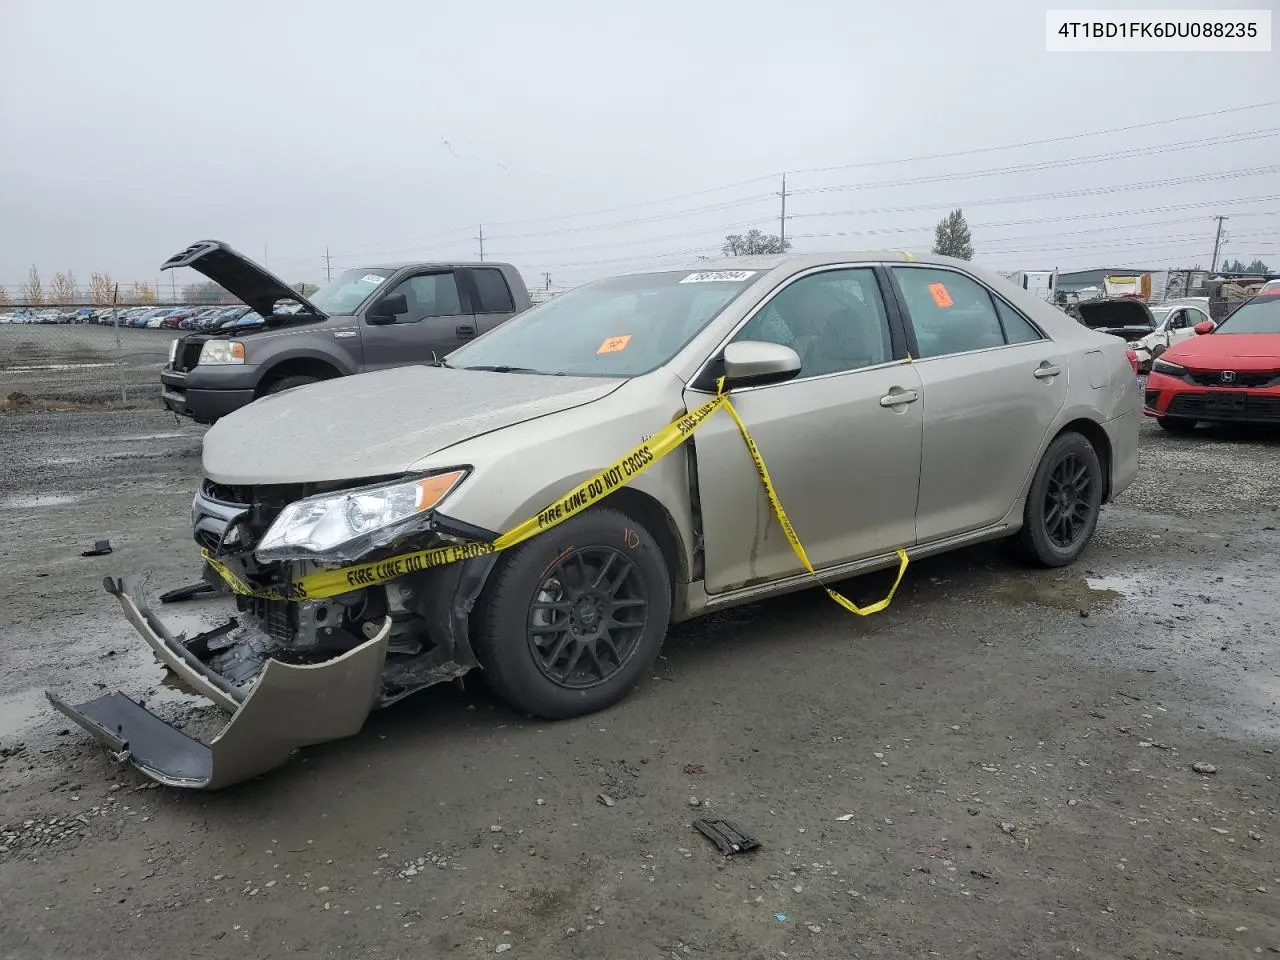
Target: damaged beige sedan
364,525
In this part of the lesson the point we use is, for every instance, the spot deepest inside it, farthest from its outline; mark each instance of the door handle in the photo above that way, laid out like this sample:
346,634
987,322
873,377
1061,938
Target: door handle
465,332
1047,370
899,398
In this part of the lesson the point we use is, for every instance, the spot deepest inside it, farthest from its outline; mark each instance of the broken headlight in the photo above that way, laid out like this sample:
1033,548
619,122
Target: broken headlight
338,527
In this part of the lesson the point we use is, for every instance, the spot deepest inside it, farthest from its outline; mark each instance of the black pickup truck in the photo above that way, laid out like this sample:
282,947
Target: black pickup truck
366,318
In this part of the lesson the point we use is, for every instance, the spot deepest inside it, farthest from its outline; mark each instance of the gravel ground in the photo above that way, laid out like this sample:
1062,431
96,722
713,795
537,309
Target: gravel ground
73,364
1006,763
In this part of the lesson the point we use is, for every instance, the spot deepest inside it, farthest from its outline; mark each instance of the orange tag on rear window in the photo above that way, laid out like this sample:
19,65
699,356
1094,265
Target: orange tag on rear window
940,295
615,344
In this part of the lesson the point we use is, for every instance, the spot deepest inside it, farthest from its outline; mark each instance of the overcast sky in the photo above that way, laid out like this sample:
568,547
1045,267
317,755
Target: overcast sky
391,129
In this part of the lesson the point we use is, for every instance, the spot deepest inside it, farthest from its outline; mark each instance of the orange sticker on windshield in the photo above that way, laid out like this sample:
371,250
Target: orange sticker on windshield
615,344
940,295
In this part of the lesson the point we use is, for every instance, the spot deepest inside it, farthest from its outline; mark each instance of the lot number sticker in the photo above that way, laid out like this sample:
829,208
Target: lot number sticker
372,278
615,344
940,295
719,276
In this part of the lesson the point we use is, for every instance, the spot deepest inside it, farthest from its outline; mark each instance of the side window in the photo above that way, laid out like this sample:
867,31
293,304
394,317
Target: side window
429,295
1017,328
494,294
1178,320
950,312
1194,317
835,321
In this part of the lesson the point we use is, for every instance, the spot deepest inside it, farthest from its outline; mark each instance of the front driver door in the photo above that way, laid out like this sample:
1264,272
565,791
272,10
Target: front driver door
841,441
437,319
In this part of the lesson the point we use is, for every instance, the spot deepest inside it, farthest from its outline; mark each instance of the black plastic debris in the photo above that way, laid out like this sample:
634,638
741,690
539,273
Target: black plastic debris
100,549
189,592
726,835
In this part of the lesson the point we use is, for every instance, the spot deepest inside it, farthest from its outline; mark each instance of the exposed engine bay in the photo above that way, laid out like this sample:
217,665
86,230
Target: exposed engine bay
291,673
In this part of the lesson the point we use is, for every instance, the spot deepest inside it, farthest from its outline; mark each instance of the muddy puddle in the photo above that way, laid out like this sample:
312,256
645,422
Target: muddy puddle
110,658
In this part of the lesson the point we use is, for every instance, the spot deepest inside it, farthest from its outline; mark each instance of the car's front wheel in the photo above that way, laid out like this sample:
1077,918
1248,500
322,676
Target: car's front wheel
571,620
1063,503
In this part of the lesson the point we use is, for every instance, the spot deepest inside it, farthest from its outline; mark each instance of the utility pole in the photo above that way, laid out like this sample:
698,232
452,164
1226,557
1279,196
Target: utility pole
782,220
1217,243
264,254
547,277
328,269
481,239
173,286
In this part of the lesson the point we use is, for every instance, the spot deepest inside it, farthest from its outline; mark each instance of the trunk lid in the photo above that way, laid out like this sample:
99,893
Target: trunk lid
1120,316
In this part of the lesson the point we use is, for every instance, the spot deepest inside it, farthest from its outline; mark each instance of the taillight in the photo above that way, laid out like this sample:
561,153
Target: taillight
1133,360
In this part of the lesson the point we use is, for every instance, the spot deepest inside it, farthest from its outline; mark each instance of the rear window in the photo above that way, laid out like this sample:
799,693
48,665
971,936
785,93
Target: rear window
493,292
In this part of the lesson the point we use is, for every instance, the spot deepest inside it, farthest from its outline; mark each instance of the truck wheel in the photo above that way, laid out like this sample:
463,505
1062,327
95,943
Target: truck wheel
571,620
1063,503
1158,349
288,383
1176,424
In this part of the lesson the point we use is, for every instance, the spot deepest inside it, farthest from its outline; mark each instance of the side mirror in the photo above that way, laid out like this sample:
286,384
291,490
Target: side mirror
749,363
386,309
1204,326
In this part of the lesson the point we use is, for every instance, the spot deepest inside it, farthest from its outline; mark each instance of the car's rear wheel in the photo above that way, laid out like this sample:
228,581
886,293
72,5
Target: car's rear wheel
1158,349
1063,503
1176,424
571,620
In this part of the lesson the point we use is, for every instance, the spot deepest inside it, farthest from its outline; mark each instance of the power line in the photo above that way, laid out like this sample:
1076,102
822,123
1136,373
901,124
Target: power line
1037,143
1056,195
1047,164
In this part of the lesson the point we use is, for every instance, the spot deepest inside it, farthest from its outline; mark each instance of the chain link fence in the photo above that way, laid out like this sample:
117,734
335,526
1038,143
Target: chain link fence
77,355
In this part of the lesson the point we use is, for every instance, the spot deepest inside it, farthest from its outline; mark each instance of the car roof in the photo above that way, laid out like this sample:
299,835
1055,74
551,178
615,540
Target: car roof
402,264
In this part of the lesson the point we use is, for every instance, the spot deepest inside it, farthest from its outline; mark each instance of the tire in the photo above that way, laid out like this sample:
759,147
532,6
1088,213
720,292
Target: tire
288,383
1158,349
1042,539
527,662
1176,425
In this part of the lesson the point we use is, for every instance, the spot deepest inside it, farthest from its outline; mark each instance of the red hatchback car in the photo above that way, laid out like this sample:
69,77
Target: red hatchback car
1228,374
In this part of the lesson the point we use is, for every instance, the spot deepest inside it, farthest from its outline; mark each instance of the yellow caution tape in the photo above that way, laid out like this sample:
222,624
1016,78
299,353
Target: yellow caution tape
332,583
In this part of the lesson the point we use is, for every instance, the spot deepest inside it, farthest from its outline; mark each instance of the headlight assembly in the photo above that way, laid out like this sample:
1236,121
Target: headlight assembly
221,352
345,525
1171,369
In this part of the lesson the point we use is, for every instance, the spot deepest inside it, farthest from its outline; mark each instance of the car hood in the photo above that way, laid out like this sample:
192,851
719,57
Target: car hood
239,276
1230,351
1117,314
379,424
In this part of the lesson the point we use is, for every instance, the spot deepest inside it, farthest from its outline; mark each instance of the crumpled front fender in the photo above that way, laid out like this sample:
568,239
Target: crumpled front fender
288,706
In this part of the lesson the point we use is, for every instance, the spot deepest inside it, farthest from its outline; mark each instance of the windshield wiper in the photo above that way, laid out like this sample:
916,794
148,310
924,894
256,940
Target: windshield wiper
500,368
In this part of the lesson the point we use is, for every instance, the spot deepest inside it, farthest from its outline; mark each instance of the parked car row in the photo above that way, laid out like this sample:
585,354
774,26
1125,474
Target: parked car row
196,318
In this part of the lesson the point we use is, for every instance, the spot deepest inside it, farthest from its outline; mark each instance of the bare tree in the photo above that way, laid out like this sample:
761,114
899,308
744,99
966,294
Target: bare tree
4,297
142,293
101,288
753,243
63,288
33,289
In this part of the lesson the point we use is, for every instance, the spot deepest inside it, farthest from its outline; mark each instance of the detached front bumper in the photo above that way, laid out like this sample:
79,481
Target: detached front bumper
285,707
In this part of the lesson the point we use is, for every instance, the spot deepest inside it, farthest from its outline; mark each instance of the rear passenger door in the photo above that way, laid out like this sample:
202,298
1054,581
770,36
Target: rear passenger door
437,319
491,295
992,385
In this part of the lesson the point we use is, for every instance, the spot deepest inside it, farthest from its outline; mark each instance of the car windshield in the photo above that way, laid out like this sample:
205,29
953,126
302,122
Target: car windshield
1259,315
1161,314
343,295
620,327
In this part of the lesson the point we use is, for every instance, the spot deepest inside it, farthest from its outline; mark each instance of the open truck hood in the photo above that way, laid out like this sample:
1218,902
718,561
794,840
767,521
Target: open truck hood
1120,316
379,424
239,276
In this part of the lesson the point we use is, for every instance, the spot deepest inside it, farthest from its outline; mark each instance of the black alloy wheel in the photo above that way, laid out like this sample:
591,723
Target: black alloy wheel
587,617
1068,501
